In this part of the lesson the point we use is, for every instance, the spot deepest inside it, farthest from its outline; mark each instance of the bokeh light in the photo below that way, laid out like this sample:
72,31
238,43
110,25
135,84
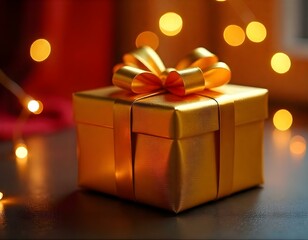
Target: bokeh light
147,38
282,120
1,195
256,31
298,145
21,151
170,23
35,106
234,35
40,50
281,139
280,62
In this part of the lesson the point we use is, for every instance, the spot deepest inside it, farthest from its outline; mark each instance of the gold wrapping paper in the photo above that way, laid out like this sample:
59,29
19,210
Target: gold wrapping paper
176,144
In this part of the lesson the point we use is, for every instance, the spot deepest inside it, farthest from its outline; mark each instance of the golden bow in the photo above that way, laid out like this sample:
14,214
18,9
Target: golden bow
142,71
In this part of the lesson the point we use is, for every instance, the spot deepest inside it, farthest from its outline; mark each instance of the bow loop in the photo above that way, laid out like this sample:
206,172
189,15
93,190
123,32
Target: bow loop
216,75
143,72
184,82
136,80
199,57
145,58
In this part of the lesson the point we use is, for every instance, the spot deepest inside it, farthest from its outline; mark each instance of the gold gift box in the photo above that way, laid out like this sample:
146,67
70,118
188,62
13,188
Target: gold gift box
175,145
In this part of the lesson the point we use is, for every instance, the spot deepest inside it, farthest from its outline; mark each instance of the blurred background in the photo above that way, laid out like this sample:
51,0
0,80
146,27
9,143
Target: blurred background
52,48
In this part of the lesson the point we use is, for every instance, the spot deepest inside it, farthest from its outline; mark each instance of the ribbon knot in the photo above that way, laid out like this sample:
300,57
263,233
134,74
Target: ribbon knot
143,71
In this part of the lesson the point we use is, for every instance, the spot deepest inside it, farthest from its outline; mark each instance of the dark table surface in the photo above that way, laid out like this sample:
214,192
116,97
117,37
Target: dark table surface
42,199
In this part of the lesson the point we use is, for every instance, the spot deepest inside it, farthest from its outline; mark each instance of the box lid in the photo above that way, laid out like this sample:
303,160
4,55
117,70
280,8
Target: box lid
170,116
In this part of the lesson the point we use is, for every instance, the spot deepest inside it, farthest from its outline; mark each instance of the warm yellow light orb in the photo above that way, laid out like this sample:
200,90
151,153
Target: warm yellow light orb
21,150
35,106
282,120
234,35
1,195
170,23
280,62
256,31
298,145
147,38
40,50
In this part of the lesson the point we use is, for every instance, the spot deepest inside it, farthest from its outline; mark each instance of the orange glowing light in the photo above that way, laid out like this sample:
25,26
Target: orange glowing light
21,151
35,106
40,50
281,139
147,38
234,35
298,145
170,23
1,195
280,62
21,163
282,120
256,31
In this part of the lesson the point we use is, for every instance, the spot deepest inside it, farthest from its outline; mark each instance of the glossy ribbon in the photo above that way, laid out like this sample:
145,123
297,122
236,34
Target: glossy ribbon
225,160
143,72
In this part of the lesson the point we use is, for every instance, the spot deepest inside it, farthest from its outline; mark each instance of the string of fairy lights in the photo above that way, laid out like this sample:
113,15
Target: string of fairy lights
39,51
170,24
30,106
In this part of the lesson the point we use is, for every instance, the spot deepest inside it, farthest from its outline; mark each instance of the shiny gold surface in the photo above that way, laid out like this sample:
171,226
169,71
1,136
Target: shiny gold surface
225,162
96,166
177,144
178,174
248,158
123,149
